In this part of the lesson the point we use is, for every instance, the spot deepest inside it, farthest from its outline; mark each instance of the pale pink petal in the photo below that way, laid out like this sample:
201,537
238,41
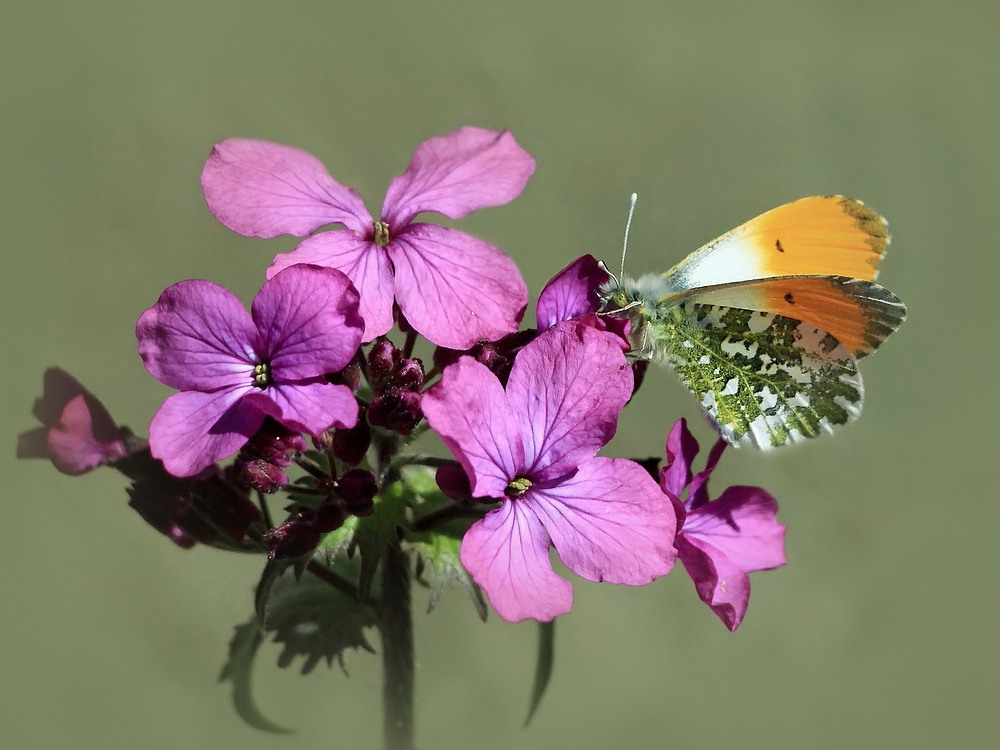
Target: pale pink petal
193,430
308,321
720,584
609,522
365,264
454,289
198,336
567,388
457,174
263,189
572,293
307,407
469,410
79,433
742,523
507,553
72,445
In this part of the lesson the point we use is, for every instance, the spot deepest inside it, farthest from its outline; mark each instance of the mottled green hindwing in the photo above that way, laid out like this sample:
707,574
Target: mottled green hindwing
765,379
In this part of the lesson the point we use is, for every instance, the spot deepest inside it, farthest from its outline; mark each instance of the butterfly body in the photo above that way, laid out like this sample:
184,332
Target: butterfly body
765,325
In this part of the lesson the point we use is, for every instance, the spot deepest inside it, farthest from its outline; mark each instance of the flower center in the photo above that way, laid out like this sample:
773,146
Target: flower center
381,233
517,487
262,375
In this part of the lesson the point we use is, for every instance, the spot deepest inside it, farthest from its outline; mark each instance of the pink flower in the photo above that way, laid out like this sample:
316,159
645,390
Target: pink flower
572,294
532,447
721,540
452,288
78,433
233,369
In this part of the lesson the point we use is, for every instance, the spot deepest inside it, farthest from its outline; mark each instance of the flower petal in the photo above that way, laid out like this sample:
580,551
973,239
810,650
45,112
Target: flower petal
741,523
364,263
507,553
609,522
567,388
197,336
309,407
457,174
572,293
263,189
455,289
719,583
469,410
193,430
698,494
79,433
308,321
72,444
682,447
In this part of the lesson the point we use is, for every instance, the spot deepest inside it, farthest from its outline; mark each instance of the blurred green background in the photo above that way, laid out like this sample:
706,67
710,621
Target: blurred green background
880,632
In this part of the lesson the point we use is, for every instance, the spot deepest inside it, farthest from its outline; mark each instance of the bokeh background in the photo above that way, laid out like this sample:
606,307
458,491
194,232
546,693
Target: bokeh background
880,632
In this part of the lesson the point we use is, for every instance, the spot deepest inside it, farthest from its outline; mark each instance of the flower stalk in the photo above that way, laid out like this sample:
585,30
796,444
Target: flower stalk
395,625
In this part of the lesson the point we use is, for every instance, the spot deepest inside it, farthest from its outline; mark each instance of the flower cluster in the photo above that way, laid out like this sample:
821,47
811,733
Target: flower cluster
306,394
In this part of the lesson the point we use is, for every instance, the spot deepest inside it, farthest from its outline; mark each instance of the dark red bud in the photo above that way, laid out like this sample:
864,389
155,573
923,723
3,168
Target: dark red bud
291,539
357,489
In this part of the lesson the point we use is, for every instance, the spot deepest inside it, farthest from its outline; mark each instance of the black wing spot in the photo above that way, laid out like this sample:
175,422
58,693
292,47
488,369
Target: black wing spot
777,244
789,298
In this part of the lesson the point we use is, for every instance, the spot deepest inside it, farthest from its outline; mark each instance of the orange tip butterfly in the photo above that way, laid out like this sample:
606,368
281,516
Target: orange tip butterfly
766,324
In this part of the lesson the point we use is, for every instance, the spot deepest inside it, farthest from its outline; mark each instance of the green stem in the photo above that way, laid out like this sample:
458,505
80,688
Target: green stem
396,627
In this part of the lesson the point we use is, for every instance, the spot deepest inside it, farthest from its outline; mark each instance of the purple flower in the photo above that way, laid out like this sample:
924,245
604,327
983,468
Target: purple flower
452,288
235,369
720,541
572,294
532,447
78,433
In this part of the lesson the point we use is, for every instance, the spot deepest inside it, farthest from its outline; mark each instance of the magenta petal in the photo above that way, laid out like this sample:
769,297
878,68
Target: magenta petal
365,264
507,553
742,523
719,583
308,407
457,174
567,388
193,430
469,410
455,289
572,293
681,450
609,522
198,336
263,189
308,321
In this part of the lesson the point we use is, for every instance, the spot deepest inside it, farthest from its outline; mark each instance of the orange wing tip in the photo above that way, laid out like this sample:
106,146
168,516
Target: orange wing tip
872,223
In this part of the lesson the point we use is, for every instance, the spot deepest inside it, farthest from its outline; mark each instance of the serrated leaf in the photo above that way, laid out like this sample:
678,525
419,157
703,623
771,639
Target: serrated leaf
311,619
238,669
439,566
543,666
272,571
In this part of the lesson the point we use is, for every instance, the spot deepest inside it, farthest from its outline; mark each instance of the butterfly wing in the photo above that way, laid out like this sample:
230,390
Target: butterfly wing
859,314
765,379
817,236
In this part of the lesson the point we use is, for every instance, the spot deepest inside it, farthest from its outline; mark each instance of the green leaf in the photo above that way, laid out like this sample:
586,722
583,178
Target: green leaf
238,669
312,619
439,566
543,667
375,531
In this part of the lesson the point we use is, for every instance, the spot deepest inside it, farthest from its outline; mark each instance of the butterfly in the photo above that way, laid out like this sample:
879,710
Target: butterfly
766,324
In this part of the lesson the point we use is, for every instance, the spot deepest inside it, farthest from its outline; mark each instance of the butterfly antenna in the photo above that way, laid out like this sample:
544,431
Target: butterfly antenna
628,225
